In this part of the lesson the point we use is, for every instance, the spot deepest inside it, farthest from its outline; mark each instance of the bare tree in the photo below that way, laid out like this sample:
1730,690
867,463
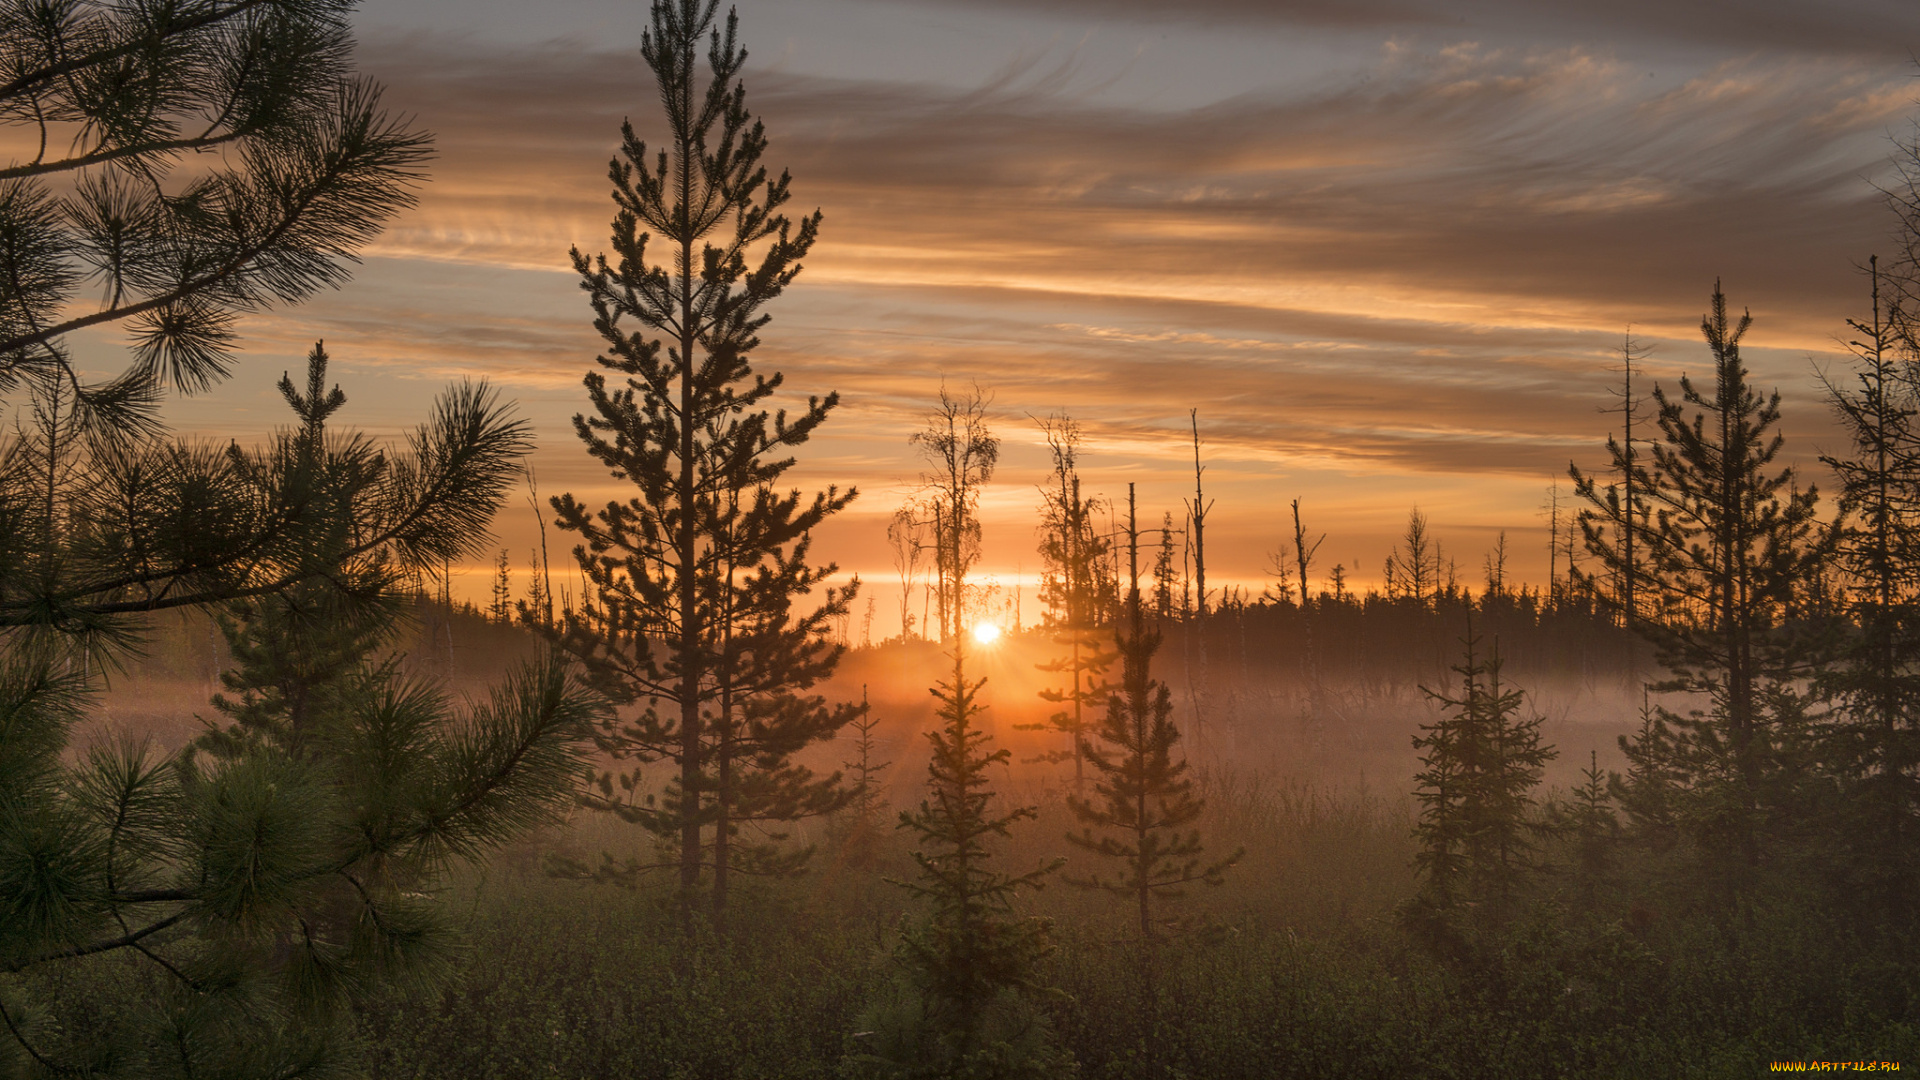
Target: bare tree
960,452
907,533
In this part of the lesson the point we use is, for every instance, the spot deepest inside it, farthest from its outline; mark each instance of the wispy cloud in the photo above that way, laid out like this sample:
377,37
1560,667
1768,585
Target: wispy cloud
1881,27
1407,280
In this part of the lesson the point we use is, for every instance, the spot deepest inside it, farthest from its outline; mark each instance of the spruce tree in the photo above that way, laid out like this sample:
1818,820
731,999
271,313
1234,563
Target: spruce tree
692,619
1165,577
969,965
1731,541
1587,821
866,799
1145,796
1483,759
293,650
500,606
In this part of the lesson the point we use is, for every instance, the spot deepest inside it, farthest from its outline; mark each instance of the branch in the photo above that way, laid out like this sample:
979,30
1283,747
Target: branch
165,146
21,1038
125,941
51,72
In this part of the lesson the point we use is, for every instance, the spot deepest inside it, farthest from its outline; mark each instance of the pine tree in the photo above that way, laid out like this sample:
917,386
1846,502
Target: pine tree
1877,741
500,609
1483,760
695,579
865,797
1144,794
224,905
1072,550
1588,822
309,170
1164,574
294,651
960,1010
1730,543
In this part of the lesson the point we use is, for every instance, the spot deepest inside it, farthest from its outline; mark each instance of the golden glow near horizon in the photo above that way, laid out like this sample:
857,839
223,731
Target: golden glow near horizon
1389,260
985,633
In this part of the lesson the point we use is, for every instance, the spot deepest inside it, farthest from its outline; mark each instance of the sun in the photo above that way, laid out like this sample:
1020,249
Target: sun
985,633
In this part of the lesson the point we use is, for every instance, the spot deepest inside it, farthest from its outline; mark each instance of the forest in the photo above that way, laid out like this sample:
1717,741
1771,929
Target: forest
277,802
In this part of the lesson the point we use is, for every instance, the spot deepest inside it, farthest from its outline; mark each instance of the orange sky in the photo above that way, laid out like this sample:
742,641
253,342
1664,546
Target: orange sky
1386,251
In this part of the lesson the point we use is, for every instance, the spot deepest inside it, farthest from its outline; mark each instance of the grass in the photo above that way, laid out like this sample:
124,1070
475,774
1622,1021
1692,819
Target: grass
1296,967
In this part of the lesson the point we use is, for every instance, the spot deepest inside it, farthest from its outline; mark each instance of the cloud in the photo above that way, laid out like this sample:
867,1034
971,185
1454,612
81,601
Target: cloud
1879,27
1408,280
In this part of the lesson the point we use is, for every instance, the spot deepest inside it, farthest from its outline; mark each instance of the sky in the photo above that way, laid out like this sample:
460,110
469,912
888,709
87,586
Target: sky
1386,252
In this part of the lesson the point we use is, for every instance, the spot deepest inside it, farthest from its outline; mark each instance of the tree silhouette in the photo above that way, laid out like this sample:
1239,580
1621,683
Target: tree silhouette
1731,542
972,957
960,452
1073,587
1483,759
1876,743
696,577
1414,573
1144,794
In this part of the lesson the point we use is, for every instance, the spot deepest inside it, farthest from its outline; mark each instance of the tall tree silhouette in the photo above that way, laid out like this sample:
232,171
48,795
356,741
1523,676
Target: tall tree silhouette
1731,540
1615,521
1145,797
693,619
1879,549
1073,549
960,452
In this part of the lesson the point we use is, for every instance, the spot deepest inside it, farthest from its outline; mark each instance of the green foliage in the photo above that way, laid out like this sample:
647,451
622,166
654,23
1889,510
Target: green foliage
1475,791
261,888
210,913
133,527
695,580
1587,820
972,949
225,903
296,651
312,169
